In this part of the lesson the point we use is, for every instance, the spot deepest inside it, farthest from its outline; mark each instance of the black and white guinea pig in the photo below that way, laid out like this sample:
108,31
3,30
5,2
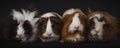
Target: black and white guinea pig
21,26
49,28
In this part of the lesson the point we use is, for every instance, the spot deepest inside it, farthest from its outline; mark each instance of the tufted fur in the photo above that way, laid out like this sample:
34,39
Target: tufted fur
21,25
110,28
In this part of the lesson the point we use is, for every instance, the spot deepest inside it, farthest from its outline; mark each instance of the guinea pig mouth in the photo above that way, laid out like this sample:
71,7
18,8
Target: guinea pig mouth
94,38
76,31
19,37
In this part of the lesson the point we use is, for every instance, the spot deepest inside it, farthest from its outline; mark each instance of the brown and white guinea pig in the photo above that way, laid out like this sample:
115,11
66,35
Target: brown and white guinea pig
49,28
21,25
102,26
74,22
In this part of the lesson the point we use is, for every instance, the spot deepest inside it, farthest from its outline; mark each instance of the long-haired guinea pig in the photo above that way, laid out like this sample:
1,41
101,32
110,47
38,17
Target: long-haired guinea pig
21,25
74,22
102,26
49,28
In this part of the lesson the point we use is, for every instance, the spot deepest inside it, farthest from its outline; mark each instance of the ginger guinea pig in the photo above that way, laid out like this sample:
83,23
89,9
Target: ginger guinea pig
74,22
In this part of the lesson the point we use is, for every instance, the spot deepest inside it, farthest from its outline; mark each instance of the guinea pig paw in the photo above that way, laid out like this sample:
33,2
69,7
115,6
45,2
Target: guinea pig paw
61,41
24,40
73,39
31,40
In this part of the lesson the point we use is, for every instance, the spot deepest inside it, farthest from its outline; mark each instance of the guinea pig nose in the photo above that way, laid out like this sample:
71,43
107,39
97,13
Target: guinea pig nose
76,28
49,34
18,36
96,31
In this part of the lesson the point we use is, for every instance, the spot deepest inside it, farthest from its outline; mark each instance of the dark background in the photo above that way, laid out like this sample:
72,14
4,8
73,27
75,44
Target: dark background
59,6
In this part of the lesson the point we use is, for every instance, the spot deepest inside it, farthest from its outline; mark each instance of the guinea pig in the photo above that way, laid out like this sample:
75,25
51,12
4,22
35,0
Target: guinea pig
49,27
21,26
102,26
74,22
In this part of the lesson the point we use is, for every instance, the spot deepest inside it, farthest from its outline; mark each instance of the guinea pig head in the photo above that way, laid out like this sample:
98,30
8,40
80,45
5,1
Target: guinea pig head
102,26
74,25
49,28
25,24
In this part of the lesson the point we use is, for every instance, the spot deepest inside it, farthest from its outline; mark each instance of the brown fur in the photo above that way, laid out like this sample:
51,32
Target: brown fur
111,26
56,25
67,21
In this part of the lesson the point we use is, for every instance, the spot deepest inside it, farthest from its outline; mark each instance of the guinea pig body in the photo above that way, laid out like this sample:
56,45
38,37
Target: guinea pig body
49,28
21,26
102,27
73,25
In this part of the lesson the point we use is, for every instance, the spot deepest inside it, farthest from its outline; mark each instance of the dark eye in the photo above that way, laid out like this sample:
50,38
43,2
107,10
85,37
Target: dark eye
44,26
90,22
53,25
101,19
93,27
71,21
106,26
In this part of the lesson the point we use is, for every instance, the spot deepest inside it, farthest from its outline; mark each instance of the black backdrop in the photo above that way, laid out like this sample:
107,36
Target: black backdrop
59,6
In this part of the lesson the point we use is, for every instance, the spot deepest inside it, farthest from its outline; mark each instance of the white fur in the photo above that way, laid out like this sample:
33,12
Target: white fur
23,16
30,17
49,31
69,11
17,16
76,38
98,27
50,39
20,19
48,28
56,14
76,23
79,37
50,14
96,15
20,32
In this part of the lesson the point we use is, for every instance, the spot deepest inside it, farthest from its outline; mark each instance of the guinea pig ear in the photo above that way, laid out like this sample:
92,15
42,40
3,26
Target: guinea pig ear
41,20
90,21
32,7
89,11
58,20
79,10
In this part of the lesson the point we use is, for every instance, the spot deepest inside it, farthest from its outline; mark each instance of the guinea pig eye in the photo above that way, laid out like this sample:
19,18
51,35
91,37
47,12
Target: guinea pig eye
44,26
101,19
53,26
90,22
71,21
93,27
106,26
